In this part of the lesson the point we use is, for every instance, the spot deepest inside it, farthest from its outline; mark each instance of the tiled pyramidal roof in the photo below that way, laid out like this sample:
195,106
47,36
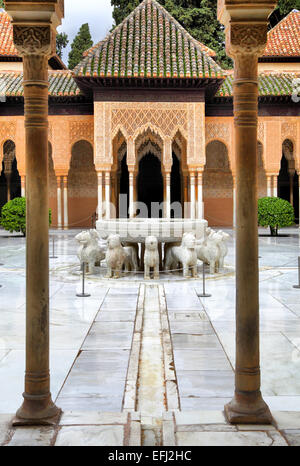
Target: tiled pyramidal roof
273,84
7,47
284,38
149,43
61,83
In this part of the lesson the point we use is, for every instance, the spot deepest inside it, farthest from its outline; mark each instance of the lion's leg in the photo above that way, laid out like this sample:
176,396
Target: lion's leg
156,272
109,273
194,271
147,272
185,271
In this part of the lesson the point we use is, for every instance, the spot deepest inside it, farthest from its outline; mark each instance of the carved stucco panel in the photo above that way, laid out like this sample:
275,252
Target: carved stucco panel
7,131
217,131
289,131
167,118
81,130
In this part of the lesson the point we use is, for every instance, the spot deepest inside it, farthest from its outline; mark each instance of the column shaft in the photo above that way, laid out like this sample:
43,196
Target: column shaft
275,186
59,203
193,194
23,186
292,188
131,195
269,186
234,201
66,211
168,195
37,407
107,195
200,196
247,405
100,196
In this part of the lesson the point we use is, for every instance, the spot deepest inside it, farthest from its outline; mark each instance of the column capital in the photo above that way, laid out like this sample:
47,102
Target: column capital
34,25
246,40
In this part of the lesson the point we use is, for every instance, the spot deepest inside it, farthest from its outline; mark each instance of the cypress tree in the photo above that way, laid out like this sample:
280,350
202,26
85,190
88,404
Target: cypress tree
81,43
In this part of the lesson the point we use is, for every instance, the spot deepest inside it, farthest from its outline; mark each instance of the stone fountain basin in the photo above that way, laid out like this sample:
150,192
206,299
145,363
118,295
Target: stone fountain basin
138,229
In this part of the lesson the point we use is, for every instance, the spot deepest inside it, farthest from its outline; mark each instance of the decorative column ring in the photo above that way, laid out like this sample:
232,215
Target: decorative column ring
245,42
36,44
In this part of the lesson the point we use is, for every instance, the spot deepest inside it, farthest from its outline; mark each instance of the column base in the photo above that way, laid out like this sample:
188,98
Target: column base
248,409
36,411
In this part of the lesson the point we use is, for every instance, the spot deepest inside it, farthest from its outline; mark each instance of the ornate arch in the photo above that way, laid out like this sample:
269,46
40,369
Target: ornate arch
148,129
217,132
81,131
119,128
149,146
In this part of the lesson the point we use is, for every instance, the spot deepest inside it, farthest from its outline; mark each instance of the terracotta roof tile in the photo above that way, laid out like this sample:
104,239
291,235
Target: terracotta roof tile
149,43
7,47
284,38
61,83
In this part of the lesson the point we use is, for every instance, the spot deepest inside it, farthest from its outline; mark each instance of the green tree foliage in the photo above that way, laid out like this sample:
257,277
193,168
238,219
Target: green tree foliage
285,6
81,43
61,43
198,17
275,213
2,4
13,216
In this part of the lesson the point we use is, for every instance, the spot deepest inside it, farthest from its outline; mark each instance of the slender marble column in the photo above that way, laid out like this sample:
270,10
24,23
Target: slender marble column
200,196
66,211
168,195
245,43
269,186
107,195
59,203
100,195
275,186
23,186
131,195
193,194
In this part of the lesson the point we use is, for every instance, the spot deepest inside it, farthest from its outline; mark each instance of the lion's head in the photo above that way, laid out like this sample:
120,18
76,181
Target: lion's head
151,243
113,242
189,241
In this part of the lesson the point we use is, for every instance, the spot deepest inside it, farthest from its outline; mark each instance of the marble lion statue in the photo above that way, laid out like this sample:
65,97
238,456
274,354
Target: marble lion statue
209,251
151,258
90,252
115,256
223,248
185,254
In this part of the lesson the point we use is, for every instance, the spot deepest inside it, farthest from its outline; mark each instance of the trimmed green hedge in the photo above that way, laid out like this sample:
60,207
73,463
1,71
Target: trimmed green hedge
275,213
13,216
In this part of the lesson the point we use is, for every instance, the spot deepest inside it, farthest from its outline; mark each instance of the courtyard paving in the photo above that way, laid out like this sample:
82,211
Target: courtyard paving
151,364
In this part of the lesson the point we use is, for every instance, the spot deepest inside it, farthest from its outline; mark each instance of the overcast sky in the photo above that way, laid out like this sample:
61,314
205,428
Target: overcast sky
98,13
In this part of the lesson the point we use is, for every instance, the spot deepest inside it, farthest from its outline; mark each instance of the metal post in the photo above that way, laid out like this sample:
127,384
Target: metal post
204,294
83,294
53,249
298,286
